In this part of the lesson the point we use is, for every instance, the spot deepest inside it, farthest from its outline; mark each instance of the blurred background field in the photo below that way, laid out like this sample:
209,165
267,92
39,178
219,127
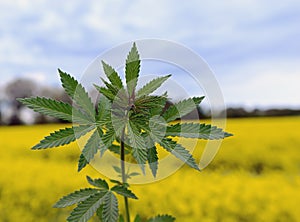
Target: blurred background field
254,177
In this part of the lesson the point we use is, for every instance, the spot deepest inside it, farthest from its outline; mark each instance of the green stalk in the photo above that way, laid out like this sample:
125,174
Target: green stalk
127,215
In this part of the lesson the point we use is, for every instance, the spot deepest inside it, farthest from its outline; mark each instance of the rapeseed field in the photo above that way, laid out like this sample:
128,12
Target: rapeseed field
254,177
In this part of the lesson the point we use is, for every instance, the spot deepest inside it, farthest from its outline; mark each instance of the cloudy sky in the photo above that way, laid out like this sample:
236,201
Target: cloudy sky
252,46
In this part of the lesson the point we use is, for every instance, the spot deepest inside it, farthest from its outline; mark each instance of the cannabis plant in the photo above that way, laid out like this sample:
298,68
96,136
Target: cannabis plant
127,121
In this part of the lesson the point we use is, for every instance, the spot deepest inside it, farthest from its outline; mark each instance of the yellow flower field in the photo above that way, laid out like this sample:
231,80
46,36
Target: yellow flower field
254,177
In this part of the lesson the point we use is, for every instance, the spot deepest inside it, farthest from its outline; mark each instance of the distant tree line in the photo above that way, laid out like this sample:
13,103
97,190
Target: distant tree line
241,112
13,112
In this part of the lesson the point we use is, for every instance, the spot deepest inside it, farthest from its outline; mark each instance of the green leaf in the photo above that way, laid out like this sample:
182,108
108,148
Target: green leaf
119,189
98,183
151,86
121,218
82,162
99,213
158,128
153,160
117,169
93,144
77,92
63,137
132,69
153,105
107,140
179,151
116,149
139,149
196,130
106,92
133,174
181,108
137,218
49,107
87,208
162,218
112,75
56,109
110,211
114,90
75,197
116,181
104,111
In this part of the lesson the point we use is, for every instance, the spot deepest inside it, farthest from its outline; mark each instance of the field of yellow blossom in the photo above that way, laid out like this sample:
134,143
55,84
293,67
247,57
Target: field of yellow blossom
254,177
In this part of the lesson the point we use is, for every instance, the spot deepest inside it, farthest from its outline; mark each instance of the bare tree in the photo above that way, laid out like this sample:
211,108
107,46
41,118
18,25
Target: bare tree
18,88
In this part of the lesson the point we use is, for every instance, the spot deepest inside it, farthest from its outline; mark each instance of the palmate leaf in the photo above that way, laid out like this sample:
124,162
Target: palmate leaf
77,92
63,137
114,90
196,130
110,212
75,197
112,75
162,218
82,162
181,108
106,92
87,208
116,149
179,151
119,189
158,128
92,146
160,105
104,107
132,69
149,102
107,139
152,156
56,109
49,107
153,160
102,184
139,149
151,86
96,142
99,213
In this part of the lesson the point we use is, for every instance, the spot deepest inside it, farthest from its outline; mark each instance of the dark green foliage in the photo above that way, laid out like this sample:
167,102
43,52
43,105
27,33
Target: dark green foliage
152,86
112,75
162,218
132,70
153,160
120,189
182,108
100,199
102,184
77,93
76,197
179,151
87,208
63,136
196,130
124,121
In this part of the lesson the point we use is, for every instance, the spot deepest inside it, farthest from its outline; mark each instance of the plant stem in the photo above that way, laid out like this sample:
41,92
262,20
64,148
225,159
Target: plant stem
127,215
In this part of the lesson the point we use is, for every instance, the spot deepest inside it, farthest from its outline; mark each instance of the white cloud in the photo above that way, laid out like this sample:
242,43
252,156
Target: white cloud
263,83
38,77
41,35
